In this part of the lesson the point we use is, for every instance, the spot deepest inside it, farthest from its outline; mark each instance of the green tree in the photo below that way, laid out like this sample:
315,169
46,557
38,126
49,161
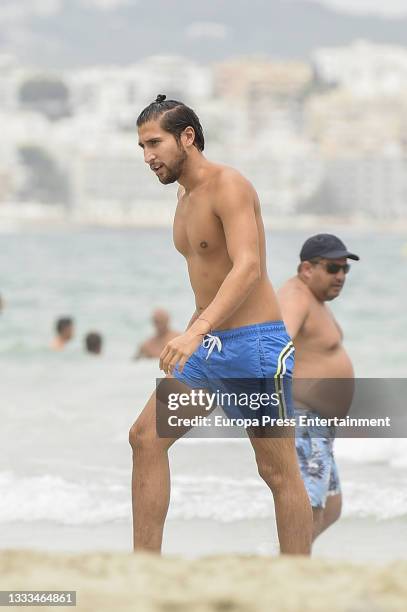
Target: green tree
47,95
45,181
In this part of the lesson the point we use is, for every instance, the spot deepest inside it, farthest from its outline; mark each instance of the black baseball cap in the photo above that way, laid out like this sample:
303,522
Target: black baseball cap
325,245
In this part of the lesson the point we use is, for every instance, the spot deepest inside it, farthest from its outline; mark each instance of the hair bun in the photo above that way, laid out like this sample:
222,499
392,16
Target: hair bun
160,98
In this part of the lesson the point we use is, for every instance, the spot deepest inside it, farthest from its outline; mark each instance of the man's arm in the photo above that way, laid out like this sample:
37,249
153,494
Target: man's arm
234,206
294,305
192,319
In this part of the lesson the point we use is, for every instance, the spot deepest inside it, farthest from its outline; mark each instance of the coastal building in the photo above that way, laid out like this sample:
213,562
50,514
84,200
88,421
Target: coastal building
269,92
365,68
285,169
116,93
10,77
340,121
339,149
371,185
178,77
113,185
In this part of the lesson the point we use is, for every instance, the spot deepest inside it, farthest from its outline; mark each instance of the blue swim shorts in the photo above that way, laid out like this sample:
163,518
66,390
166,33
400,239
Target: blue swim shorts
315,451
242,363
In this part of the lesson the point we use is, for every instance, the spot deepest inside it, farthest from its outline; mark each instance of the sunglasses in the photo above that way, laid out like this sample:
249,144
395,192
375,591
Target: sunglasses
333,268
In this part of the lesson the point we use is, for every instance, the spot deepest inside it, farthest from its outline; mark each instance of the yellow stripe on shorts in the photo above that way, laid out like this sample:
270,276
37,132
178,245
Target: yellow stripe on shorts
278,377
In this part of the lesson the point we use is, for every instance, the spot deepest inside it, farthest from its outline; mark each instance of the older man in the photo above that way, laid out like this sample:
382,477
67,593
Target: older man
320,355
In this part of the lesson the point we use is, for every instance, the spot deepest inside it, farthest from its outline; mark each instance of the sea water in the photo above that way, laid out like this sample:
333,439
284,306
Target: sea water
65,416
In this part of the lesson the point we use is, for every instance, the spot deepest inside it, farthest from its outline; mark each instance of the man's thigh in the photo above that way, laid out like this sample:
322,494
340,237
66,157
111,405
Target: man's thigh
151,424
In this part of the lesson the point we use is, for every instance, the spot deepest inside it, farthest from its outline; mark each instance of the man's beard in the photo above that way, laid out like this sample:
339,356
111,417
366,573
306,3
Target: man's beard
175,171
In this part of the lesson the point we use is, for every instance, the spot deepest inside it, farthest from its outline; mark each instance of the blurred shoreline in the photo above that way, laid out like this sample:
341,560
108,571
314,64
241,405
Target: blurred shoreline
16,217
362,540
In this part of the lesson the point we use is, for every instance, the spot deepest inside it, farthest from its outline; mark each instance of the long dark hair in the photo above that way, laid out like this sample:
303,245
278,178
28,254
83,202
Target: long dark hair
175,117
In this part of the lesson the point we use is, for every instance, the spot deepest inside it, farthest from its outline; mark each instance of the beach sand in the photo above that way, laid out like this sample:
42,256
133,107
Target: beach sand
123,581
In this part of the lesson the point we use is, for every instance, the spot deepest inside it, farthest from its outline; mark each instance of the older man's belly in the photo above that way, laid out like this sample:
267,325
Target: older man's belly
324,382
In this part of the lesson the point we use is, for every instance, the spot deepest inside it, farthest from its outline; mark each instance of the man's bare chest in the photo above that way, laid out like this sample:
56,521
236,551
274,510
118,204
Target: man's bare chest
321,329
197,230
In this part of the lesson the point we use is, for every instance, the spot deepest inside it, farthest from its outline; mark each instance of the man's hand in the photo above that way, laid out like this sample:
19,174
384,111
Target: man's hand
178,350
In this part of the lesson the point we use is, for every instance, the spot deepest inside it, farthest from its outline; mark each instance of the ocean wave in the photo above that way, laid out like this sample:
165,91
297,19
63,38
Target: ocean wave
225,500
389,451
228,500
51,498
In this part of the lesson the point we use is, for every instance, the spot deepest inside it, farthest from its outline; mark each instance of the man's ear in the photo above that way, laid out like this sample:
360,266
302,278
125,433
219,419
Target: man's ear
188,136
306,269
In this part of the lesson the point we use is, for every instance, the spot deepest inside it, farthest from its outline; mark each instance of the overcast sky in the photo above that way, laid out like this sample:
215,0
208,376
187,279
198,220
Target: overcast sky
387,8
14,10
71,33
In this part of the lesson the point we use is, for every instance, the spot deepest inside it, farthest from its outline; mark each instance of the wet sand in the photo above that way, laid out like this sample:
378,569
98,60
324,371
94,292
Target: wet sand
360,540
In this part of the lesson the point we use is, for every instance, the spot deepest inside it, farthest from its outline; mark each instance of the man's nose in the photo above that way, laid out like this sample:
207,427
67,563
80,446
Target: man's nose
148,156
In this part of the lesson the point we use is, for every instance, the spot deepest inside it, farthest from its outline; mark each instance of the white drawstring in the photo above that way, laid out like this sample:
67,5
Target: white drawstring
209,342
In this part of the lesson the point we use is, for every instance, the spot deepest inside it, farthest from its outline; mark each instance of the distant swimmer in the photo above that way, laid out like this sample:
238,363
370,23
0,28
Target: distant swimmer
64,328
93,343
152,348
320,357
234,336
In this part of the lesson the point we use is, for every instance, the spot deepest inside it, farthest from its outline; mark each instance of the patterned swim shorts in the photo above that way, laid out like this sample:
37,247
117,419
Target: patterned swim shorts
318,467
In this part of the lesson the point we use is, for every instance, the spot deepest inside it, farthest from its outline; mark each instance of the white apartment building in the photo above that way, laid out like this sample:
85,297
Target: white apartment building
10,78
285,169
366,68
112,184
108,93
372,185
177,77
117,94
20,129
268,92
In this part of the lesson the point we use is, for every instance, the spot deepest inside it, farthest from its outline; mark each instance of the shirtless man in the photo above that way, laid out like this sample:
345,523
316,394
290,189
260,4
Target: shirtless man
152,348
319,355
236,330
